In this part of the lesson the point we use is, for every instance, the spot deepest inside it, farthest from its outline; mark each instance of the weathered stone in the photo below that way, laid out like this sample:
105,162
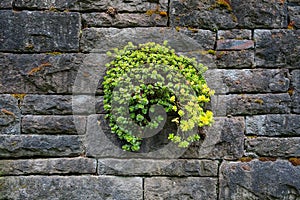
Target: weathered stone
205,38
53,124
94,5
42,146
206,57
238,34
145,167
250,104
277,48
242,81
234,44
38,73
62,104
10,115
105,39
48,166
90,75
273,125
235,59
295,90
201,14
294,14
259,180
45,31
260,14
123,20
184,188
71,187
224,139
47,104
276,147
100,142
6,4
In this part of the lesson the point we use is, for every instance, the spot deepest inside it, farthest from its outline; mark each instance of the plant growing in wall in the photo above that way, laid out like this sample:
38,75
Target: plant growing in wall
141,81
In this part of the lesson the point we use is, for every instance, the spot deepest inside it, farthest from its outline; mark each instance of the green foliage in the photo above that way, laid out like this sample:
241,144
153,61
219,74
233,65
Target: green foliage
157,73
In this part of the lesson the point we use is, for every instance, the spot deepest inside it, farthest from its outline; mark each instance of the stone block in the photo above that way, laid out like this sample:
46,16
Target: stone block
259,180
147,167
277,48
53,124
71,187
101,40
38,73
235,59
260,14
250,104
10,115
274,147
6,4
101,143
273,125
201,14
242,81
40,146
124,20
295,90
223,140
48,166
294,14
94,5
184,188
44,31
234,44
237,34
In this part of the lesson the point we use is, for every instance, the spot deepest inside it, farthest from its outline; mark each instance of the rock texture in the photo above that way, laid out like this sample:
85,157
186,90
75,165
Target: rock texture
259,180
55,142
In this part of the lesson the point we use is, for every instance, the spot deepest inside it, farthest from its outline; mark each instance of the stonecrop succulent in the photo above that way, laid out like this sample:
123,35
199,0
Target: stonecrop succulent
141,79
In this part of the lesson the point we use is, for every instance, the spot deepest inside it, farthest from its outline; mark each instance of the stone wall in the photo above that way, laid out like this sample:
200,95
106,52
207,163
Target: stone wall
52,56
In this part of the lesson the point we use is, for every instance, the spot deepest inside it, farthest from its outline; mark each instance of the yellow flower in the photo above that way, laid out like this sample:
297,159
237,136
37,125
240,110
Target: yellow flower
172,99
180,113
174,108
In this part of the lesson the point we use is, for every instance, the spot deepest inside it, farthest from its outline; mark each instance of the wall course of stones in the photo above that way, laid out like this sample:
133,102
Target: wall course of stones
48,117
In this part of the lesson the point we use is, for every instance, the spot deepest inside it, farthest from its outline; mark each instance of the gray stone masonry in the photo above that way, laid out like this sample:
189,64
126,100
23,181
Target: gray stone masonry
55,142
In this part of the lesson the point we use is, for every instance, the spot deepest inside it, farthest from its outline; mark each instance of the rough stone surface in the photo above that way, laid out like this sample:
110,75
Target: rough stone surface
48,166
260,14
294,13
276,147
295,91
124,20
42,33
277,48
144,167
40,146
74,187
234,44
201,14
38,73
101,40
238,34
250,104
6,4
224,140
235,59
273,125
242,81
185,188
94,5
10,115
259,180
53,124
